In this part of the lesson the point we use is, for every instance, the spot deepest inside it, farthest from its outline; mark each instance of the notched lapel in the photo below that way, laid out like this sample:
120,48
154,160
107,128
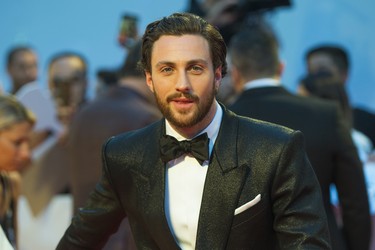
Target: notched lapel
223,185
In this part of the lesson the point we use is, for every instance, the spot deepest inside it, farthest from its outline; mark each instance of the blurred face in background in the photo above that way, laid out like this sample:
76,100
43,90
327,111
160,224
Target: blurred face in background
67,82
23,68
15,147
321,62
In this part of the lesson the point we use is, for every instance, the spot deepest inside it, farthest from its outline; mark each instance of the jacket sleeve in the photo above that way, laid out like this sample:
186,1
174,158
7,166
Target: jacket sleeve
93,224
351,188
300,220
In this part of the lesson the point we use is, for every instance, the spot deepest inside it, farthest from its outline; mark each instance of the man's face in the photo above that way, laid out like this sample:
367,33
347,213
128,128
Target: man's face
320,62
23,68
183,80
67,82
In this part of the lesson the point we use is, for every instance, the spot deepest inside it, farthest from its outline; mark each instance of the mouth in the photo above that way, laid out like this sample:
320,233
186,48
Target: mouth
182,103
182,100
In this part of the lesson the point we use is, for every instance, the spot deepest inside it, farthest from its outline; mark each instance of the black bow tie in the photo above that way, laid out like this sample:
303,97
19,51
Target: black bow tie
171,148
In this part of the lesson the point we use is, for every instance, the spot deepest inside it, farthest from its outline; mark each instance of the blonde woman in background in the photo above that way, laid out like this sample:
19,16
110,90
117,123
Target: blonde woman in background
16,124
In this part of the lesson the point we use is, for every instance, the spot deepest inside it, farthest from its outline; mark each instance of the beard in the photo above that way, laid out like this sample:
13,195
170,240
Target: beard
184,119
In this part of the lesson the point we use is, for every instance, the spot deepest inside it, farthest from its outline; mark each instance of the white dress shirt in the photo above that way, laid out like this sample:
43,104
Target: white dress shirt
4,242
40,102
185,179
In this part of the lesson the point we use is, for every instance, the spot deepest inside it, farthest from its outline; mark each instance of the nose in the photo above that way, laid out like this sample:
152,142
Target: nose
183,82
24,154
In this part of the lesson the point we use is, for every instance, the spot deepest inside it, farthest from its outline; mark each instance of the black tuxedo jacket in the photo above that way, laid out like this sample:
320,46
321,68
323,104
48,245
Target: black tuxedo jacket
249,158
330,150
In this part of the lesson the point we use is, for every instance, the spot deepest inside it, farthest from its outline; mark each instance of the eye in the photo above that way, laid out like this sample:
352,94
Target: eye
166,70
196,69
18,143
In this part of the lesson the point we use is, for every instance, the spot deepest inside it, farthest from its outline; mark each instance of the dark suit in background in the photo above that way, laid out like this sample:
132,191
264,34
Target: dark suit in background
329,147
256,71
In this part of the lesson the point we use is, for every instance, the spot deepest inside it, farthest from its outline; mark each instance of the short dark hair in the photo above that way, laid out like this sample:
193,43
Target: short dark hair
255,50
179,24
68,54
324,85
339,55
14,51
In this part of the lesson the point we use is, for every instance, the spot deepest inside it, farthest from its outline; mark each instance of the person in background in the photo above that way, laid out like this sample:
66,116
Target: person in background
67,72
127,105
16,124
67,81
22,67
325,86
334,59
46,183
201,177
256,73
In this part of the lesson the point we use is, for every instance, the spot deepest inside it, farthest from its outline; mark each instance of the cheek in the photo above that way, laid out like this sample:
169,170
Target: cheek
7,157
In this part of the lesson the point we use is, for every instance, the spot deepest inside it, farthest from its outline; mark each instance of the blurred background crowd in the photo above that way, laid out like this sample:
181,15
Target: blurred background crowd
69,81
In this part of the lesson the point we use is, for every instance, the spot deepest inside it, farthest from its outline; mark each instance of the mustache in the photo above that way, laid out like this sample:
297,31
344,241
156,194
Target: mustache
185,95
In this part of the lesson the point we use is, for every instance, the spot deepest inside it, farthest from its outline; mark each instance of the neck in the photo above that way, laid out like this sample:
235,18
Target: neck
16,87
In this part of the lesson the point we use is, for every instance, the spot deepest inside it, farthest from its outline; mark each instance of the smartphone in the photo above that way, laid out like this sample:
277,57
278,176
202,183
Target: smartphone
128,32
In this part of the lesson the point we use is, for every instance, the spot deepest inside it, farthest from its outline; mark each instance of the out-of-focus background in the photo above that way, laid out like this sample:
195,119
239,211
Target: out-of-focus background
91,28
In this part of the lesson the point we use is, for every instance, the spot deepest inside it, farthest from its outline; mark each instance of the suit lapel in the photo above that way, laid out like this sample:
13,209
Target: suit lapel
153,192
223,184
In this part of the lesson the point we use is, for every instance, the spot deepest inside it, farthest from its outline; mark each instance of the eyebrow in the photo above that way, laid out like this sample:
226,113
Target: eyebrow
195,61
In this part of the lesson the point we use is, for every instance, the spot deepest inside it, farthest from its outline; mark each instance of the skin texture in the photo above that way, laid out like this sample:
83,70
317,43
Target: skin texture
14,146
184,82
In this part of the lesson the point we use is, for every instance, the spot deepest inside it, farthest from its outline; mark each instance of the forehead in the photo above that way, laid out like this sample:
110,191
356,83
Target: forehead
66,66
22,56
18,129
180,48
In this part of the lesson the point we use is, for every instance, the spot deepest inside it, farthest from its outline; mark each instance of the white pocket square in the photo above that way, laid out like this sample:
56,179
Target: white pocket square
247,205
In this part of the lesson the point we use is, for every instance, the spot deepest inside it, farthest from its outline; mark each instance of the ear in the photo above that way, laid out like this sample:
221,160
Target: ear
218,77
236,79
149,81
281,68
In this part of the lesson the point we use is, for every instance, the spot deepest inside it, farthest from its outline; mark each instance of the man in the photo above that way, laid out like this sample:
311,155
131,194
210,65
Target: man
334,59
128,105
67,80
249,185
22,67
67,83
256,71
47,181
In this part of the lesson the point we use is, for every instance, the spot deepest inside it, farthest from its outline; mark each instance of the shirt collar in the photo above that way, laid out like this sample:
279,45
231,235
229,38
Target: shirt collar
263,82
